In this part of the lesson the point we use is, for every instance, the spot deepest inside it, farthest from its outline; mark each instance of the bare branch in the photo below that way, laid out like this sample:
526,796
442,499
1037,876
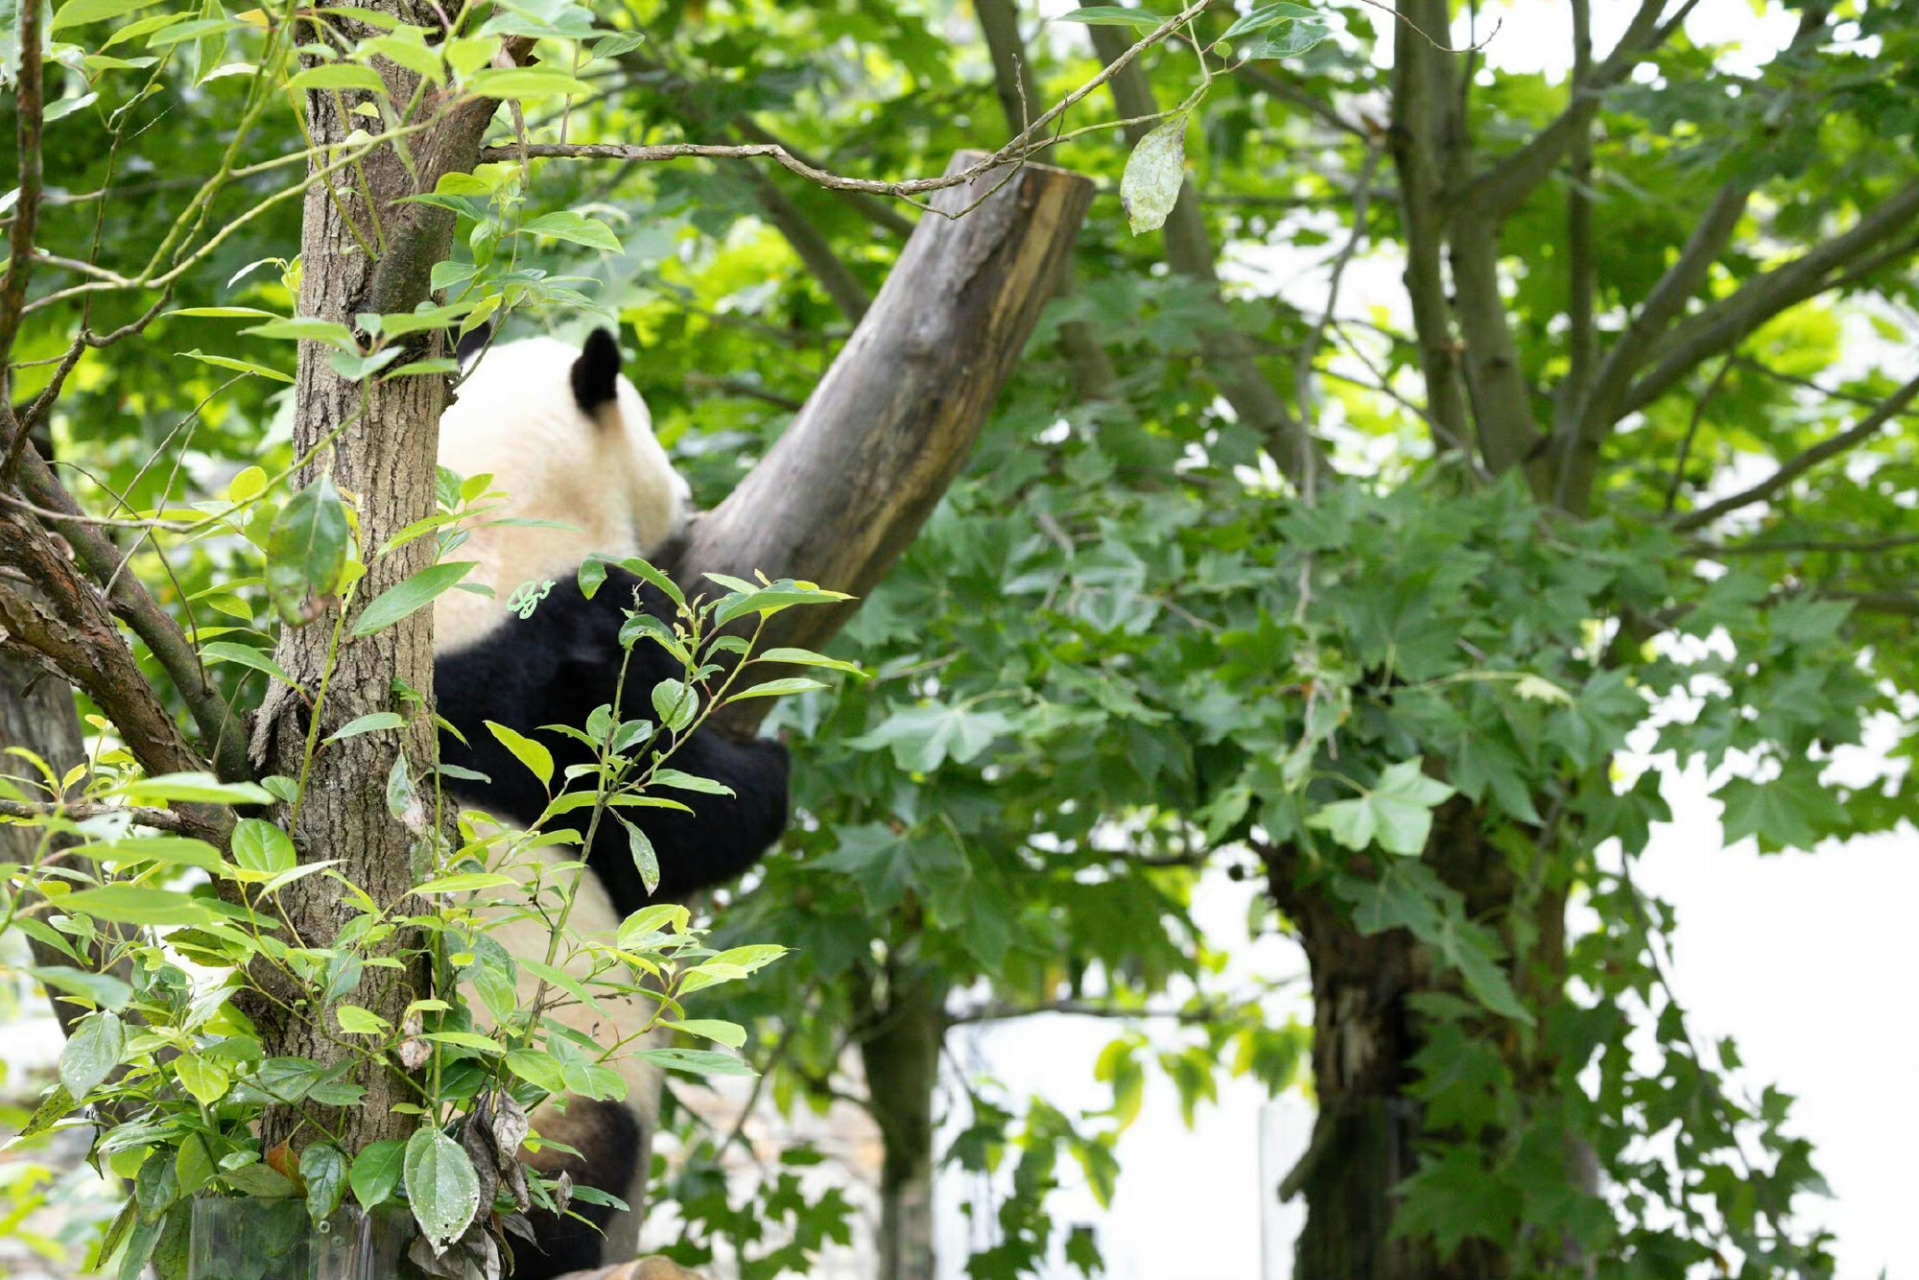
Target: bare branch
158,819
1033,140
1867,427
880,215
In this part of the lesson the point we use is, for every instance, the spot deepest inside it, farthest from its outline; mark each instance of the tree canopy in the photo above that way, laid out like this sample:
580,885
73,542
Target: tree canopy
1375,600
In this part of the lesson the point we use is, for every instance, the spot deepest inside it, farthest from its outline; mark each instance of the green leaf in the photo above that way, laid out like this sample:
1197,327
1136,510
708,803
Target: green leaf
244,655
645,860
206,1081
574,228
238,366
526,82
1397,812
405,599
329,333
689,782
338,75
373,722
1268,15
105,990
307,548
1791,811
1155,173
258,1181
131,904
675,704
1112,15
528,752
807,658
537,1069
376,1172
259,845
615,45
191,788
356,1021
358,368
92,1053
77,13
648,921
778,688
323,1167
923,738
440,1185
1295,39
699,1062
730,1034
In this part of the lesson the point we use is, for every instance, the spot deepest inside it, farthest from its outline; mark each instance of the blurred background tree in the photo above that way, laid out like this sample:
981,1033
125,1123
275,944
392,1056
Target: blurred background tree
1463,440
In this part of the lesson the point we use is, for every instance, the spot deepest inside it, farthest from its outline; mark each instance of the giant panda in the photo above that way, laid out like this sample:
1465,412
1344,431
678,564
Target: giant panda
567,437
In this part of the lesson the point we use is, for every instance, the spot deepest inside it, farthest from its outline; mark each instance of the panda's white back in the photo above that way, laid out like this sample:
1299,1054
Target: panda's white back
603,474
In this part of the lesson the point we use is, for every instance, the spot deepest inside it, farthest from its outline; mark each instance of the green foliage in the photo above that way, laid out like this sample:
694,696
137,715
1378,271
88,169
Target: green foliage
1125,654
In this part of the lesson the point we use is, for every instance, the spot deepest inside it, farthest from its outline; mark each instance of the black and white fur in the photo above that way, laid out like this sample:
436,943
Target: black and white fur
568,439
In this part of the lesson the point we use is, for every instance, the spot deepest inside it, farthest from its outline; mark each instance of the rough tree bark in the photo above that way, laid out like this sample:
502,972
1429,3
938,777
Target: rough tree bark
385,436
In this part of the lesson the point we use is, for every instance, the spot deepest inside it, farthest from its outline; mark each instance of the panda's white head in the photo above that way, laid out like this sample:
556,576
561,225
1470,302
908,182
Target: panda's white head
567,438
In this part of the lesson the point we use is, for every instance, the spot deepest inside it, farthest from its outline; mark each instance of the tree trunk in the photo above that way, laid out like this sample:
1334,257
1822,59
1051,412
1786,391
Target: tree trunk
1365,1036
383,459
901,1056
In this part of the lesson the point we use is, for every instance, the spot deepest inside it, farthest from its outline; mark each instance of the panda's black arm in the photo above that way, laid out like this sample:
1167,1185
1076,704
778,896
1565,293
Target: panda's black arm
555,668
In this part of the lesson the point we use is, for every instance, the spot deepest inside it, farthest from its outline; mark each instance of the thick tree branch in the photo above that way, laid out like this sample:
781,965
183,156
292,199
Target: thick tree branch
1497,193
1599,408
1719,327
1033,140
1415,115
60,623
1825,450
847,487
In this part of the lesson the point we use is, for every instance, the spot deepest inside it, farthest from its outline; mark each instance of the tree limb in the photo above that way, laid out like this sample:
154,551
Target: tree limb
839,497
1421,188
1727,322
1497,193
1864,430
1019,98
219,729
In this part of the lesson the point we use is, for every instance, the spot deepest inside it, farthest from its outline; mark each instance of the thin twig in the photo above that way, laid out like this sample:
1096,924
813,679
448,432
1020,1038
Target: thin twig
1869,426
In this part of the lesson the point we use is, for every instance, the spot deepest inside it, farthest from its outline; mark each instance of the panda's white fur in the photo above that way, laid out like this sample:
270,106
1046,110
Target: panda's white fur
515,418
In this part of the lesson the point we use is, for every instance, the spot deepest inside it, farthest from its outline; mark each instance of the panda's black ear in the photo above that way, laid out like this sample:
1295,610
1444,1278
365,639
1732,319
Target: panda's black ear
596,374
468,349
